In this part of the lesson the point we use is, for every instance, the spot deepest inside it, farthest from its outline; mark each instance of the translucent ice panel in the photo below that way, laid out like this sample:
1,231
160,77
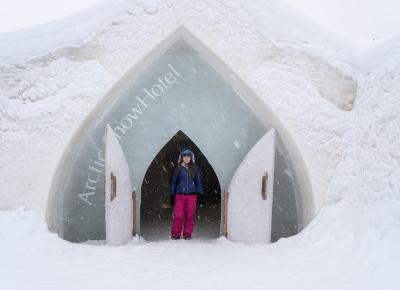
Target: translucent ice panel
178,91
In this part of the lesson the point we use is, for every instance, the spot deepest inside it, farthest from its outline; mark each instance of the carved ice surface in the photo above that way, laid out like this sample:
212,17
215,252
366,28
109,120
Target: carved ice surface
146,114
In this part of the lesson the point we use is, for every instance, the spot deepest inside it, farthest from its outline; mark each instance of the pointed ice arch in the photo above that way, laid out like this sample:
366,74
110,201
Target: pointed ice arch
179,85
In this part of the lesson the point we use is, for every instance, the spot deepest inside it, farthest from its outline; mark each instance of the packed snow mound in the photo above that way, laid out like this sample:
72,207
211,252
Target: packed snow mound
69,31
13,18
380,54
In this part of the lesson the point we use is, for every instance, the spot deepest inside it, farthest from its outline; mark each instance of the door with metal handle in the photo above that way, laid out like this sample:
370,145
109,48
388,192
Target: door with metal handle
249,215
119,210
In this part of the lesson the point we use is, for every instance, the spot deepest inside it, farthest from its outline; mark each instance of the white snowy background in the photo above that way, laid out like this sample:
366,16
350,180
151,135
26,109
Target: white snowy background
53,74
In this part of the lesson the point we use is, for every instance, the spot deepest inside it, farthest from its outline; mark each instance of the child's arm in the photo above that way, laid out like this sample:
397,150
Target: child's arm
173,182
197,179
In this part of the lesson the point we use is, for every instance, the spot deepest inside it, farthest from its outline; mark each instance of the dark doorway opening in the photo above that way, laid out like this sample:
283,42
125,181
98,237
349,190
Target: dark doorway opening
155,210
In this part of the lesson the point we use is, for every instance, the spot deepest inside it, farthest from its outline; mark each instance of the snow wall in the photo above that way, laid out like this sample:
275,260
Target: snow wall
46,97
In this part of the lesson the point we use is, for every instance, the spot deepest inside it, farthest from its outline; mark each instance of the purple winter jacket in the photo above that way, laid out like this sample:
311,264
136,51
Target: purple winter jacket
184,183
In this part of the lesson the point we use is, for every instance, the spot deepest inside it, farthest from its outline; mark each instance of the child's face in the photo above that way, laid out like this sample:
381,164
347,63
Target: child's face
186,159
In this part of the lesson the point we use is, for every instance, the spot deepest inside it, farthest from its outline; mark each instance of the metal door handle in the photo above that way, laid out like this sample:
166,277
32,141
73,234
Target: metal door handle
113,186
264,185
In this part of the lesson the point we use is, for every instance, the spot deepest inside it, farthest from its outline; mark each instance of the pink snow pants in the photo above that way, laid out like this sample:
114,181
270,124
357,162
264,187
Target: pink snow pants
185,208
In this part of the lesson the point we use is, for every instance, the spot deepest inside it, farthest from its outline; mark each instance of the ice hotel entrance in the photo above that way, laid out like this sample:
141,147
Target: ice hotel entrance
180,95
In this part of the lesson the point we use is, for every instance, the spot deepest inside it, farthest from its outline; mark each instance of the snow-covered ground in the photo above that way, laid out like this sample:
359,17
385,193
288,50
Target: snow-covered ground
352,243
356,251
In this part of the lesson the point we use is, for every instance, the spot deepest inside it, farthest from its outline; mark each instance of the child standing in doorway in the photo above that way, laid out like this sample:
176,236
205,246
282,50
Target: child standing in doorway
185,187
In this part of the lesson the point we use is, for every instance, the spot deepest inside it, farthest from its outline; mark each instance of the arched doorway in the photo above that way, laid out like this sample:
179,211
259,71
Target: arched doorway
181,85
155,210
